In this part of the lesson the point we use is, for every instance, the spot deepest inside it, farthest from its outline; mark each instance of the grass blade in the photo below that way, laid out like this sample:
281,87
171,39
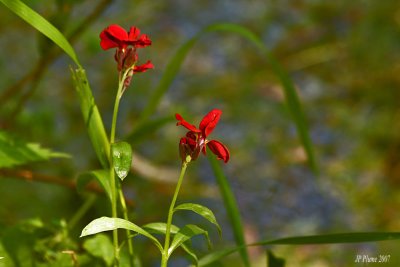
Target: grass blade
231,208
42,25
90,112
92,117
339,238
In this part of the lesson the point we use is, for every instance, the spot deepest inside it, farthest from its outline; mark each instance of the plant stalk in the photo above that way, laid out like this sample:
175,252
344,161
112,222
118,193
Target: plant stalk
129,240
113,181
165,256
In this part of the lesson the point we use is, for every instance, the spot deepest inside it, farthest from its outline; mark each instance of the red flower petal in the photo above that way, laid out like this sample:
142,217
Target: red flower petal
143,41
185,124
144,67
209,121
113,36
133,33
219,149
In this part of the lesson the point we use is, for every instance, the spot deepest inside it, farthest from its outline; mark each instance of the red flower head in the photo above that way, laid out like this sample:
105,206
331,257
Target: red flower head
114,36
196,139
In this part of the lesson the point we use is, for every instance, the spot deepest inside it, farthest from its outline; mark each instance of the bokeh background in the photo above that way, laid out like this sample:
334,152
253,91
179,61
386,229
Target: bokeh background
343,57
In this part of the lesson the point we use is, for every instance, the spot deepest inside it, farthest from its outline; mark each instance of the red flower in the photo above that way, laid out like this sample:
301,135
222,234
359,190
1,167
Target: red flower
196,139
116,36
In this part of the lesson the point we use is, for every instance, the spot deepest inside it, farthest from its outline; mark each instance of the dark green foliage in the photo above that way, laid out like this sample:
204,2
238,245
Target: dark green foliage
14,152
273,261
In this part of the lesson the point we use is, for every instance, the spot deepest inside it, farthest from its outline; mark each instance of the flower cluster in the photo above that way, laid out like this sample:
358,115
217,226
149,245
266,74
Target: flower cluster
196,138
127,43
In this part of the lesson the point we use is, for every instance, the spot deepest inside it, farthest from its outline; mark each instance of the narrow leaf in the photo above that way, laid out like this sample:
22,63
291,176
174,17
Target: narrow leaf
122,158
92,117
205,212
190,252
15,151
89,109
102,176
231,208
339,238
216,256
42,25
273,261
104,224
186,233
160,228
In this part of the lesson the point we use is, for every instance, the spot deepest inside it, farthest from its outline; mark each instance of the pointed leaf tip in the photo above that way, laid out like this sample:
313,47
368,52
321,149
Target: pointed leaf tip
203,211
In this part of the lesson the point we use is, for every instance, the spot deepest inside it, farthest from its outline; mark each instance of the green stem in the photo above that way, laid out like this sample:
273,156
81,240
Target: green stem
165,256
130,243
113,181
90,200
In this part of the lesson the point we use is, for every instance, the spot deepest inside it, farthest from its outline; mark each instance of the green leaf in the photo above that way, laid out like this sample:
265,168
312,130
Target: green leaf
92,117
205,212
19,241
5,259
339,238
100,246
102,176
189,251
42,25
273,261
186,233
104,224
89,109
231,208
15,151
122,158
160,228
